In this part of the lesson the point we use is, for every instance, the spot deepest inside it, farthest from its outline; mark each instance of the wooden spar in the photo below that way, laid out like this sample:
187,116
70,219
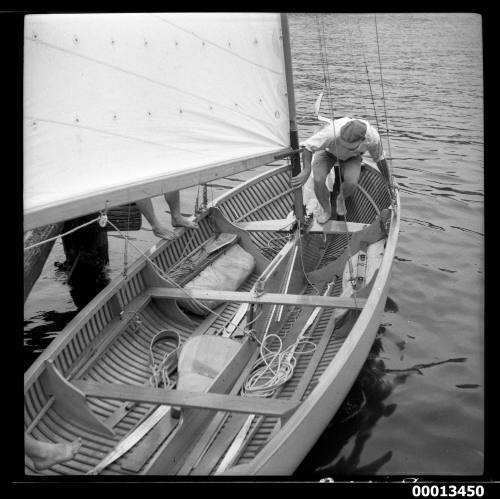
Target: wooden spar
35,258
264,298
134,192
294,135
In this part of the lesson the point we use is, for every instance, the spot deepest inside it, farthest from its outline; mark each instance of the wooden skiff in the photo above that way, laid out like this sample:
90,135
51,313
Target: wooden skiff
93,381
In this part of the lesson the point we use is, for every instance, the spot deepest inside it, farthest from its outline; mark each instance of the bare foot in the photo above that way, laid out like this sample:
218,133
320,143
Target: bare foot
163,233
55,453
181,221
322,216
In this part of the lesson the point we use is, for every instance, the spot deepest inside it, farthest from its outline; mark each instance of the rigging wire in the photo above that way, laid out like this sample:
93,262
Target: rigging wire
363,50
328,84
384,102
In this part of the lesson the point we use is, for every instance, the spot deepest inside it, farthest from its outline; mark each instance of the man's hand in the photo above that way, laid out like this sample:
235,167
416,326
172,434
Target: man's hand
300,179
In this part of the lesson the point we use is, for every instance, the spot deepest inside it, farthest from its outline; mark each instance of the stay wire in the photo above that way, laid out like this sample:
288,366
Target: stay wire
384,101
326,74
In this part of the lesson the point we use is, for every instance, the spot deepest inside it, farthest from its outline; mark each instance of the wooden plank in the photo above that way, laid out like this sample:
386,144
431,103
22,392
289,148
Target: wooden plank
70,401
95,349
194,422
181,398
141,190
264,298
286,224
224,440
371,234
302,324
208,441
148,445
224,225
335,227
279,225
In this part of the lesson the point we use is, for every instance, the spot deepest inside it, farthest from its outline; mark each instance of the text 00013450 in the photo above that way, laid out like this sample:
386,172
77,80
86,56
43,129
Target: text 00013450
448,490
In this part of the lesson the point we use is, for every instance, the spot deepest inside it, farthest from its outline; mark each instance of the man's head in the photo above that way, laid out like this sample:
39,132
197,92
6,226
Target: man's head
352,134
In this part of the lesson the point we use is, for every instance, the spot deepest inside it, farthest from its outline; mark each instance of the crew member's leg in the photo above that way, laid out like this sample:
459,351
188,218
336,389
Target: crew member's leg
322,163
351,170
146,207
178,220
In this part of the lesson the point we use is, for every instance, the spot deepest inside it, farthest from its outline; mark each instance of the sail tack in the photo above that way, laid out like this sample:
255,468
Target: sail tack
119,107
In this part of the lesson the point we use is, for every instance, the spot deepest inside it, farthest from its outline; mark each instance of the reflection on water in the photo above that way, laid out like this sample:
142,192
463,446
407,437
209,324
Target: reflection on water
339,451
40,330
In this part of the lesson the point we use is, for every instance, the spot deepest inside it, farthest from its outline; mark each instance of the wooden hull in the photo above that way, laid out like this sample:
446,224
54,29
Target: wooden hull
109,342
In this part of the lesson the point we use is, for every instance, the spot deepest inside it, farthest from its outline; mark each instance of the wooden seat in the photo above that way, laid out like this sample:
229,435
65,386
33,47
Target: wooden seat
181,398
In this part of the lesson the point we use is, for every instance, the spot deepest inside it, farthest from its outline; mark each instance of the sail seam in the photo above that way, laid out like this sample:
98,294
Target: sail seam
280,73
146,78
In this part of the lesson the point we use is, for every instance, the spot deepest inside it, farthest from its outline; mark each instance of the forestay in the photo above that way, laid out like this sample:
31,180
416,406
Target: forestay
127,106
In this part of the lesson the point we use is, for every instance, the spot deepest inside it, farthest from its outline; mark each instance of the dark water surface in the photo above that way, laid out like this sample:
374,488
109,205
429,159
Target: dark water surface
417,406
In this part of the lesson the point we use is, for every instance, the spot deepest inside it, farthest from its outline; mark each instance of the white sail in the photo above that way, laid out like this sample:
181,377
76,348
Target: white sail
120,107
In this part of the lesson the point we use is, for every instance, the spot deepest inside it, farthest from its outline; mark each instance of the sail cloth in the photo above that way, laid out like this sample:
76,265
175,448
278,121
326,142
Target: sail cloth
120,107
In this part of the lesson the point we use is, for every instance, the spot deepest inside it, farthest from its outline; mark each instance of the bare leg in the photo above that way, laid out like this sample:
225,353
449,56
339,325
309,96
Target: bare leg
46,454
146,207
174,202
351,170
322,164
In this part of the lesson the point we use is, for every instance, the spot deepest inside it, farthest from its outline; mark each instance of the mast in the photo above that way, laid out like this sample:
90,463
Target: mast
294,135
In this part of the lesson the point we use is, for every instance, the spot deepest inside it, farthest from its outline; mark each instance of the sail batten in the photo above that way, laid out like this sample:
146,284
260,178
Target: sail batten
113,102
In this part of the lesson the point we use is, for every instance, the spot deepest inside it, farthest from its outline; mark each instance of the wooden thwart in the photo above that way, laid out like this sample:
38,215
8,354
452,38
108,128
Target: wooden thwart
287,224
210,401
264,298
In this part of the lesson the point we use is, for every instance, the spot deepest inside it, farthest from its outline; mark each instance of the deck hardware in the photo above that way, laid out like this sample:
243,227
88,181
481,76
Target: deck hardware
103,220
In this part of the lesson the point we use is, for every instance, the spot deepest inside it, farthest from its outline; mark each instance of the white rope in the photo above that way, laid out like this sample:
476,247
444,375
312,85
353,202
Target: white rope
160,371
274,367
64,234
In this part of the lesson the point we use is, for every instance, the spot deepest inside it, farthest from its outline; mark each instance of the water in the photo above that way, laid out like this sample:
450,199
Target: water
417,406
